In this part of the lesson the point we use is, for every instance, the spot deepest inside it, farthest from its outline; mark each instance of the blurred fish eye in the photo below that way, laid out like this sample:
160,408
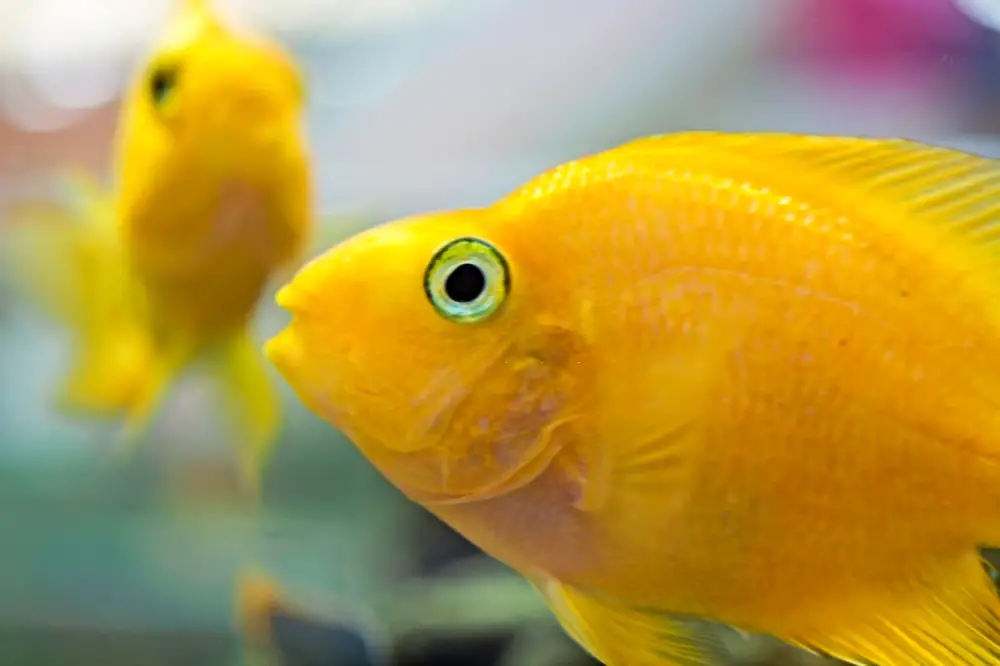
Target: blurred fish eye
467,280
162,83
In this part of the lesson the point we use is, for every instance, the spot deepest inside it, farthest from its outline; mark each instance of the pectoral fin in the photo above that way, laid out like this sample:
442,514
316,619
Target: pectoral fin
252,401
162,372
107,374
622,635
948,619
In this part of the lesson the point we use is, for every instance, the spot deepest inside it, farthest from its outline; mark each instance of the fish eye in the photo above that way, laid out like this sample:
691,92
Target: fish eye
163,83
467,280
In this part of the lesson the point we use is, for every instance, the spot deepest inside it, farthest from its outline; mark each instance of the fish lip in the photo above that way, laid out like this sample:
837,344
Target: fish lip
285,298
284,350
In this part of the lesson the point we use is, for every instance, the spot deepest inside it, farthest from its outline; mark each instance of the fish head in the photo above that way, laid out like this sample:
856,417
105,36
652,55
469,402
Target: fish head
211,96
423,341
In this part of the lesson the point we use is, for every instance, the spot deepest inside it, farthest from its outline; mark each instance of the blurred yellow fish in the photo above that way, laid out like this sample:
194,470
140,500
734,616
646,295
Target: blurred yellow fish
212,198
753,379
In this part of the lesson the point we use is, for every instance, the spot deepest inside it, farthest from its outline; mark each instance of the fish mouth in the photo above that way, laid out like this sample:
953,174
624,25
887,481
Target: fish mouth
285,299
285,350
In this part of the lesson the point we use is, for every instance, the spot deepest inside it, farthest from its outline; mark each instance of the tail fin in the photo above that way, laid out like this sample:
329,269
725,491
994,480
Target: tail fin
252,402
291,637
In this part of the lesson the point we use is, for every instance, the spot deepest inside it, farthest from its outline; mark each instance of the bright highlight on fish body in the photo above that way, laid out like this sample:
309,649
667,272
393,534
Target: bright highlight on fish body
747,378
212,198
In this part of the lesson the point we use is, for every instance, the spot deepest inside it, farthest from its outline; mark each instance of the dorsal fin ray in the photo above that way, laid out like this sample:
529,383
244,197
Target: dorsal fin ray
954,192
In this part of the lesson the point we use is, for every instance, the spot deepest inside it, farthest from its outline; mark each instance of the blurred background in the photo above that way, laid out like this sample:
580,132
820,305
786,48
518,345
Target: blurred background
413,104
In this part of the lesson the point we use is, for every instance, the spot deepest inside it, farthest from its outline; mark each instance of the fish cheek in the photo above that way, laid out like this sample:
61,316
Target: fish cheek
519,413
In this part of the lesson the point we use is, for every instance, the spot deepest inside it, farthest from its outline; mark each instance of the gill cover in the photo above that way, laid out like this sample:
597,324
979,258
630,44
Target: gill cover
501,428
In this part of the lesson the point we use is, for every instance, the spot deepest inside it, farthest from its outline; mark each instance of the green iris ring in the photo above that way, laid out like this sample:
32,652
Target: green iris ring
484,257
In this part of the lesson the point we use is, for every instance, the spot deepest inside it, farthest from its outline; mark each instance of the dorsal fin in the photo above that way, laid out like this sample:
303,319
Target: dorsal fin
202,10
954,192
189,19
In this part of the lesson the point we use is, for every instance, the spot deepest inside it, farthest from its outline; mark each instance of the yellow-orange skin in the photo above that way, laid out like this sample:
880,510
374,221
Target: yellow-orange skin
724,383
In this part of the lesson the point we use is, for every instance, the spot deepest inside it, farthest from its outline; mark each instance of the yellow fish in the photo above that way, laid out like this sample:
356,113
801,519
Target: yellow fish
212,198
747,378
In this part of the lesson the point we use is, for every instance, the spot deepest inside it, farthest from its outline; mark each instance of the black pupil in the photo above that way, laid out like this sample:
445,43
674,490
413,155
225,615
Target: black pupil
162,83
465,284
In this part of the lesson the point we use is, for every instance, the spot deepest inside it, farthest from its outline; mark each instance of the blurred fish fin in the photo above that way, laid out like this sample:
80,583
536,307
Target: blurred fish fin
85,390
621,635
194,5
65,258
202,10
951,619
107,373
253,402
189,18
270,625
163,371
49,255
95,200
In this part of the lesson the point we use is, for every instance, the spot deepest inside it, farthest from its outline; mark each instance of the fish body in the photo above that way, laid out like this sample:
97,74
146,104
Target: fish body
211,199
747,378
